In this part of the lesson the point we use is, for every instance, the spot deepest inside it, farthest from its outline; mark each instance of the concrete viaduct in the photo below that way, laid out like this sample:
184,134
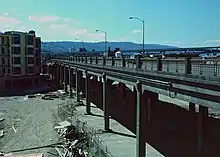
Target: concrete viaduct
134,101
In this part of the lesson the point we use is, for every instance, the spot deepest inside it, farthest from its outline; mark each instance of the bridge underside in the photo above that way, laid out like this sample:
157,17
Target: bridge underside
172,130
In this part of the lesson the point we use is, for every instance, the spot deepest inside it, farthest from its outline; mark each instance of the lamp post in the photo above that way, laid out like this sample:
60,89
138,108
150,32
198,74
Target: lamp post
105,38
136,18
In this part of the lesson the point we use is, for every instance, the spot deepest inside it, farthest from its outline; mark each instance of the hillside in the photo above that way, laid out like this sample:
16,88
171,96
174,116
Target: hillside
65,46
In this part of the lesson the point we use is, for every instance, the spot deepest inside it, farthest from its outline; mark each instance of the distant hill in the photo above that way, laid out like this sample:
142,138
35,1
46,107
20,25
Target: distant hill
65,46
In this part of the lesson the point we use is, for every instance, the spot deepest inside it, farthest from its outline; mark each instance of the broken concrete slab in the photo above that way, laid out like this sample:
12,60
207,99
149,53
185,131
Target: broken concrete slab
1,119
64,123
1,133
59,127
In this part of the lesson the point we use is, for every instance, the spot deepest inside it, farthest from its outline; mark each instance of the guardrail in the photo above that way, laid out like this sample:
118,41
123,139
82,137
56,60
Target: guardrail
182,65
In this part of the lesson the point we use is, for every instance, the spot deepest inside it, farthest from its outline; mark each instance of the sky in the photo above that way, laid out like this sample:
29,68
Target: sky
184,23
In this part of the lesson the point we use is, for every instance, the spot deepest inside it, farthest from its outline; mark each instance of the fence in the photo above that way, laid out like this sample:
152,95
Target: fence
96,147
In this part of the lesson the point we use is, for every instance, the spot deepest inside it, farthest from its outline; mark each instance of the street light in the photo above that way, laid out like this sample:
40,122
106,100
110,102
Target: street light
136,18
105,38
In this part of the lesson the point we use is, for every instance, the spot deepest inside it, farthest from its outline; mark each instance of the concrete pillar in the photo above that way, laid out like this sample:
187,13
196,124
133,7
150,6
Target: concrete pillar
105,106
70,81
48,69
77,84
58,73
65,79
203,114
87,91
61,76
140,140
192,107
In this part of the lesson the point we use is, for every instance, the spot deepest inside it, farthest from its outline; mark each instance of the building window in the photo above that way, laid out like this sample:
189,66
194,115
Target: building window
3,50
3,61
30,70
16,39
17,70
3,40
3,71
30,40
30,51
30,60
16,50
17,60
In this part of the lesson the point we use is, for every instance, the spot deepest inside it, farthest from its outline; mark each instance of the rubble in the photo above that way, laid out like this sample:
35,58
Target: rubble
76,142
1,133
49,96
1,119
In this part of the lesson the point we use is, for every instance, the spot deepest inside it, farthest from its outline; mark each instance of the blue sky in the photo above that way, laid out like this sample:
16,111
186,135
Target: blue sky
173,22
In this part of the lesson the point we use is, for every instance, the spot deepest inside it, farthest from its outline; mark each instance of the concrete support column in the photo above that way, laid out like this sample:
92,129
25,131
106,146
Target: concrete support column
58,73
87,91
65,79
70,81
61,76
122,88
77,84
192,107
48,69
203,114
140,140
105,105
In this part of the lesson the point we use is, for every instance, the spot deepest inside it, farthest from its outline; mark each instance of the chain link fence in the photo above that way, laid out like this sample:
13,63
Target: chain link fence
67,111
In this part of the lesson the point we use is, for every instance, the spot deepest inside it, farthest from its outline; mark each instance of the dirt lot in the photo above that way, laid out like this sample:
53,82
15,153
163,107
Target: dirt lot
33,120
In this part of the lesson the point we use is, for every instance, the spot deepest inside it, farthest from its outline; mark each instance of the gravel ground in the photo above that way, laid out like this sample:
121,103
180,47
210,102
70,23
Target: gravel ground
33,119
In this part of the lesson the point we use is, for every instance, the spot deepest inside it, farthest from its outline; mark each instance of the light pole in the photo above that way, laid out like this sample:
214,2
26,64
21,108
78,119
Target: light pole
136,18
105,38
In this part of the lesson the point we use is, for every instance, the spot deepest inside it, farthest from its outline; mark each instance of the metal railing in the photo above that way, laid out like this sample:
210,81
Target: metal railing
209,67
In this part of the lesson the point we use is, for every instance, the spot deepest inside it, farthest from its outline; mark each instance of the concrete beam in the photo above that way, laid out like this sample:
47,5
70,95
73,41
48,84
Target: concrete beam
140,143
105,105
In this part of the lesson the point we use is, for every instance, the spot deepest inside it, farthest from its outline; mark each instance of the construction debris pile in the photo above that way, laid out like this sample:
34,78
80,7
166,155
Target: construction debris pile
76,142
49,96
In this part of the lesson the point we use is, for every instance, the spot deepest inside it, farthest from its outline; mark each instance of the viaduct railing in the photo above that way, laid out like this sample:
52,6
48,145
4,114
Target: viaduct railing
192,66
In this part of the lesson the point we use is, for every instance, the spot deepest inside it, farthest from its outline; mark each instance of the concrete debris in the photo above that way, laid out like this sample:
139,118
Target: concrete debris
14,128
64,123
49,96
1,133
1,119
26,97
76,142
